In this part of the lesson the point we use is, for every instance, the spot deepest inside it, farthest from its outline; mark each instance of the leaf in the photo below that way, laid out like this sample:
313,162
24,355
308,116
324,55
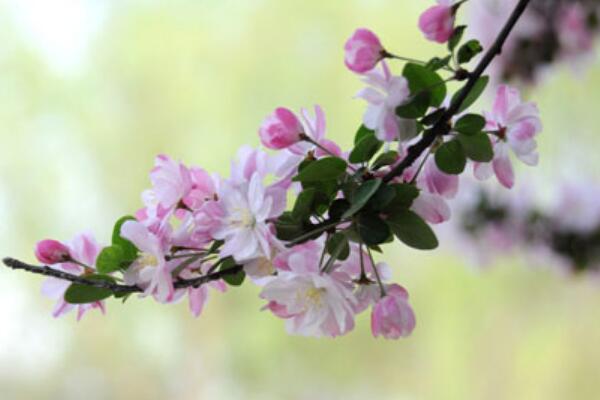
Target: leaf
232,279
422,79
405,196
324,169
288,228
83,294
365,149
304,204
450,158
361,133
111,259
338,246
362,196
416,106
469,50
438,63
382,198
372,229
477,147
433,117
412,230
456,37
338,208
387,158
129,250
470,124
473,95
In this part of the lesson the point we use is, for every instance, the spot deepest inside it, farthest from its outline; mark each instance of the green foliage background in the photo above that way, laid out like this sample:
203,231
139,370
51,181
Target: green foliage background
194,79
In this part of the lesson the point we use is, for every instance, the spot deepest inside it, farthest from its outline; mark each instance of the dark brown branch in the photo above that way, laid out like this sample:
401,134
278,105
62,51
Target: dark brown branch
442,127
114,287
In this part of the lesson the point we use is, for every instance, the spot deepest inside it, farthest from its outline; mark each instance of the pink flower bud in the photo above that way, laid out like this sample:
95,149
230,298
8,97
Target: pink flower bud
51,252
392,316
363,51
280,129
437,22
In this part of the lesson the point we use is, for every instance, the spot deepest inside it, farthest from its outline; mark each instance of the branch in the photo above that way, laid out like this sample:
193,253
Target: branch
114,287
442,127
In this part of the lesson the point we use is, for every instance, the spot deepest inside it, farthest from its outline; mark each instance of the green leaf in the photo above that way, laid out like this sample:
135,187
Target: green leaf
232,279
324,169
470,124
365,149
456,37
382,198
372,229
412,230
416,106
433,117
473,95
129,250
405,196
387,158
477,147
338,208
450,158
362,196
83,294
469,50
110,259
304,204
438,63
288,228
338,246
422,79
361,133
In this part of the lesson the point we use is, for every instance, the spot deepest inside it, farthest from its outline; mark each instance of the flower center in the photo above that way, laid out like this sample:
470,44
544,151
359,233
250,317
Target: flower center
147,260
314,297
244,218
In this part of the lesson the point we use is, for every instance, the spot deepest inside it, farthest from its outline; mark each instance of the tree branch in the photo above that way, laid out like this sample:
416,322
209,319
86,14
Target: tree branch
442,127
114,287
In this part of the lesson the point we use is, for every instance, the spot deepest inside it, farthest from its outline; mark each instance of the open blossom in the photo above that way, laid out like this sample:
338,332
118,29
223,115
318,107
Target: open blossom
171,181
84,249
313,303
363,51
51,252
280,129
437,22
392,316
150,270
383,95
516,124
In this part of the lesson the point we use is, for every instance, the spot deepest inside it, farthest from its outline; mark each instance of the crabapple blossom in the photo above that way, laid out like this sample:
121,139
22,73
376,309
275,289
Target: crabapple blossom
280,129
51,252
392,316
437,22
363,51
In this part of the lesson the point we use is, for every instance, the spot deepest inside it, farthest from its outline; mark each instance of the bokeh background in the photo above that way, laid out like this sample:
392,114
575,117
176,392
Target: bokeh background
92,90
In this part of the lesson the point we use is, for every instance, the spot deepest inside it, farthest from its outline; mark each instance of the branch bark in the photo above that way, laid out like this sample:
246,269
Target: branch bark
442,127
114,287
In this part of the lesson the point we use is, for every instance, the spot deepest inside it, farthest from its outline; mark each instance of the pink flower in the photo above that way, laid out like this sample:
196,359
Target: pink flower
202,189
437,22
84,249
51,252
313,304
392,316
437,182
384,94
280,129
515,124
171,181
573,31
150,270
197,297
363,51
431,207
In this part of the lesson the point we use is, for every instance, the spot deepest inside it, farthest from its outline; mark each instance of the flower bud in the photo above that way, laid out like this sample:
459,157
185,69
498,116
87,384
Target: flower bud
363,51
280,129
437,22
51,252
392,316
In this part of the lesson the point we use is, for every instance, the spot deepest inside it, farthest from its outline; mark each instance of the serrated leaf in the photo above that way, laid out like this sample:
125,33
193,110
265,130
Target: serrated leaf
470,124
422,79
412,230
450,158
83,294
365,149
324,169
477,147
473,95
362,196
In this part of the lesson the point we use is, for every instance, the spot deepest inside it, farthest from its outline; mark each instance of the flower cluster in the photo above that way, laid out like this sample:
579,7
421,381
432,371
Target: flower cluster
556,31
491,225
198,232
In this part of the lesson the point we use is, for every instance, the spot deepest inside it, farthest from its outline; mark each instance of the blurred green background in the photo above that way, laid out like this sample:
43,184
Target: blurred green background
91,91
